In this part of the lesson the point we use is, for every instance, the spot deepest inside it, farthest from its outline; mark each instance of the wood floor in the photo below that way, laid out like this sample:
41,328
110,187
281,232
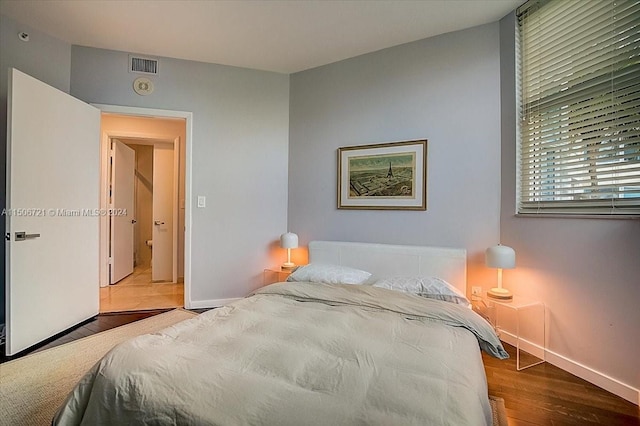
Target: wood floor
102,322
541,395
547,395
137,293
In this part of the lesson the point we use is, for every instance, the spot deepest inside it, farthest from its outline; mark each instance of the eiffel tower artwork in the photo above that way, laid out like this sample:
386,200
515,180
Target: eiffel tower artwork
390,172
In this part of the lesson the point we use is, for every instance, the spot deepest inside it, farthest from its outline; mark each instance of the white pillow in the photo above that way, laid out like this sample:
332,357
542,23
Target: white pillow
430,287
329,274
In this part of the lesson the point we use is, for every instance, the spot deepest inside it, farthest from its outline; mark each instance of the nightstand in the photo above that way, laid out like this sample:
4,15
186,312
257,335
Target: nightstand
274,275
521,323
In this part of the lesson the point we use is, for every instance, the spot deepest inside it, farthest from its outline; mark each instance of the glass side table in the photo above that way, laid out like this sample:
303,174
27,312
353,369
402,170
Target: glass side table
274,275
520,322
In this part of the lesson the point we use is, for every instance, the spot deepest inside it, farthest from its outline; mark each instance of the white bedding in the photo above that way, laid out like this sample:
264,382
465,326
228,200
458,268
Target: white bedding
298,354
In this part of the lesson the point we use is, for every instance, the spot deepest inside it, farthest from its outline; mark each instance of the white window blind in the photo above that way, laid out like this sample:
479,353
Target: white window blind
579,98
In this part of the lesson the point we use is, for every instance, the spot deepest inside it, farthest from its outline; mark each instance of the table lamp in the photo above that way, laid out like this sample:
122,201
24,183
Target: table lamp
288,241
501,257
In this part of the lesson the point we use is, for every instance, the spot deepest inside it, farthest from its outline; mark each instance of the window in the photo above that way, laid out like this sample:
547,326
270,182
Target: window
579,101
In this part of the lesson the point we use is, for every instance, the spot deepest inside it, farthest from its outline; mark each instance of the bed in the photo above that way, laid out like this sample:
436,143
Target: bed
308,353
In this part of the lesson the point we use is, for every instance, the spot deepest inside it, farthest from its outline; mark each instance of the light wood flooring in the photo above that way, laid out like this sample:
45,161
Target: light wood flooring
137,293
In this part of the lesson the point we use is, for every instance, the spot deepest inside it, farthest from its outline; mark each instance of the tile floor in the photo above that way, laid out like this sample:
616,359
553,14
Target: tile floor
137,293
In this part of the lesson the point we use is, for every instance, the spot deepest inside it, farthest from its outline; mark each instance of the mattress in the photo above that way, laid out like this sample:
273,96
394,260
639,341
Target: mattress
298,354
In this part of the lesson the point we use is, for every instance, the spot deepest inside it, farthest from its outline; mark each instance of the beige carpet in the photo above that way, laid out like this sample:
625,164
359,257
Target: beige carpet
498,411
33,387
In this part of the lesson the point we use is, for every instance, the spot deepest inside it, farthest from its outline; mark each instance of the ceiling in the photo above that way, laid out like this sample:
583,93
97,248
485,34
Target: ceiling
280,36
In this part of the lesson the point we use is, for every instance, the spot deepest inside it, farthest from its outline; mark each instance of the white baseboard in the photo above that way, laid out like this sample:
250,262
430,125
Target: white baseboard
213,303
525,345
610,384
599,379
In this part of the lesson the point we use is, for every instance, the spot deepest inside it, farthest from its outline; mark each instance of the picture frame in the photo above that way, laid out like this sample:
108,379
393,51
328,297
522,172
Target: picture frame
385,176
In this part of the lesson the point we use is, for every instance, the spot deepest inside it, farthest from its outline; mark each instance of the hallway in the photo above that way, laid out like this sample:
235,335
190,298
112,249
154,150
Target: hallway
137,293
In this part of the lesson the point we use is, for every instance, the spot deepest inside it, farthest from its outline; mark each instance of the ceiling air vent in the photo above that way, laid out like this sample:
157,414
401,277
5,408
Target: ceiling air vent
142,65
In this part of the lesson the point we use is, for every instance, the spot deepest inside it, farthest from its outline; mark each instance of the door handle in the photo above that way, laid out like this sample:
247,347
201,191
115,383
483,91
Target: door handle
158,222
21,236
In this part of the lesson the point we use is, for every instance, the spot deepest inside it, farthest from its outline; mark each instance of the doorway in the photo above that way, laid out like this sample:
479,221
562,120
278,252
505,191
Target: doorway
143,251
64,288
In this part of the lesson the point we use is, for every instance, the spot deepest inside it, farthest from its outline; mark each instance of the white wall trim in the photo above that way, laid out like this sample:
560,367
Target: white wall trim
525,345
610,384
188,116
597,378
176,204
212,303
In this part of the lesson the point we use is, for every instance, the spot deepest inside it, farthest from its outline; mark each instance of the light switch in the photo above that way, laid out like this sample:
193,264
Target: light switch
202,201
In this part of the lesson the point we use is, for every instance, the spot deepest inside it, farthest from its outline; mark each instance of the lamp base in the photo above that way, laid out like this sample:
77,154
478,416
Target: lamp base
287,266
500,293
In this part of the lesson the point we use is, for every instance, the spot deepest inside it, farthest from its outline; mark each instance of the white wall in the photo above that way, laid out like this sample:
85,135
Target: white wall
586,271
445,89
43,57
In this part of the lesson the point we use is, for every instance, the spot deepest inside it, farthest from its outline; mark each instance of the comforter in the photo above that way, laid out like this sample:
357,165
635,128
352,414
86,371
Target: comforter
298,354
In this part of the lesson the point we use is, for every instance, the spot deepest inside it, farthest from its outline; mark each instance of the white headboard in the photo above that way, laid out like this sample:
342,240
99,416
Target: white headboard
384,260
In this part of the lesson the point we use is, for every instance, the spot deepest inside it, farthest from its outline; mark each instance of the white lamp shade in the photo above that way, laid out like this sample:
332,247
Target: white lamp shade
500,257
289,240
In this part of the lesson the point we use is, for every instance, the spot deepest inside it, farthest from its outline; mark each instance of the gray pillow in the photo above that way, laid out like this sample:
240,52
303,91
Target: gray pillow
430,287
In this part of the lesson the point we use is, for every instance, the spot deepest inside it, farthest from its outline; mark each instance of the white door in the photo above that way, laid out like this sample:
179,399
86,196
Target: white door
52,214
163,200
123,167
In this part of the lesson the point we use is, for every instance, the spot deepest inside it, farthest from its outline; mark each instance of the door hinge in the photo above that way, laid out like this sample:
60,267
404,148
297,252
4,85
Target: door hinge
110,261
7,236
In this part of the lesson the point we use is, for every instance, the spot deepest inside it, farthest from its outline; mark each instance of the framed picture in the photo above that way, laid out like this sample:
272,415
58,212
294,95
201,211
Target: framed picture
388,176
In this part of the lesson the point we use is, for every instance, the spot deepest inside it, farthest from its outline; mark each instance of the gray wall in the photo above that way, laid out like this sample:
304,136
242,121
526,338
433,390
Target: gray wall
45,58
445,89
586,271
457,90
239,146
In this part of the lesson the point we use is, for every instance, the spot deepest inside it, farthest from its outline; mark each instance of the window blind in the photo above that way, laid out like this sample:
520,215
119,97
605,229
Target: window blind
579,100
